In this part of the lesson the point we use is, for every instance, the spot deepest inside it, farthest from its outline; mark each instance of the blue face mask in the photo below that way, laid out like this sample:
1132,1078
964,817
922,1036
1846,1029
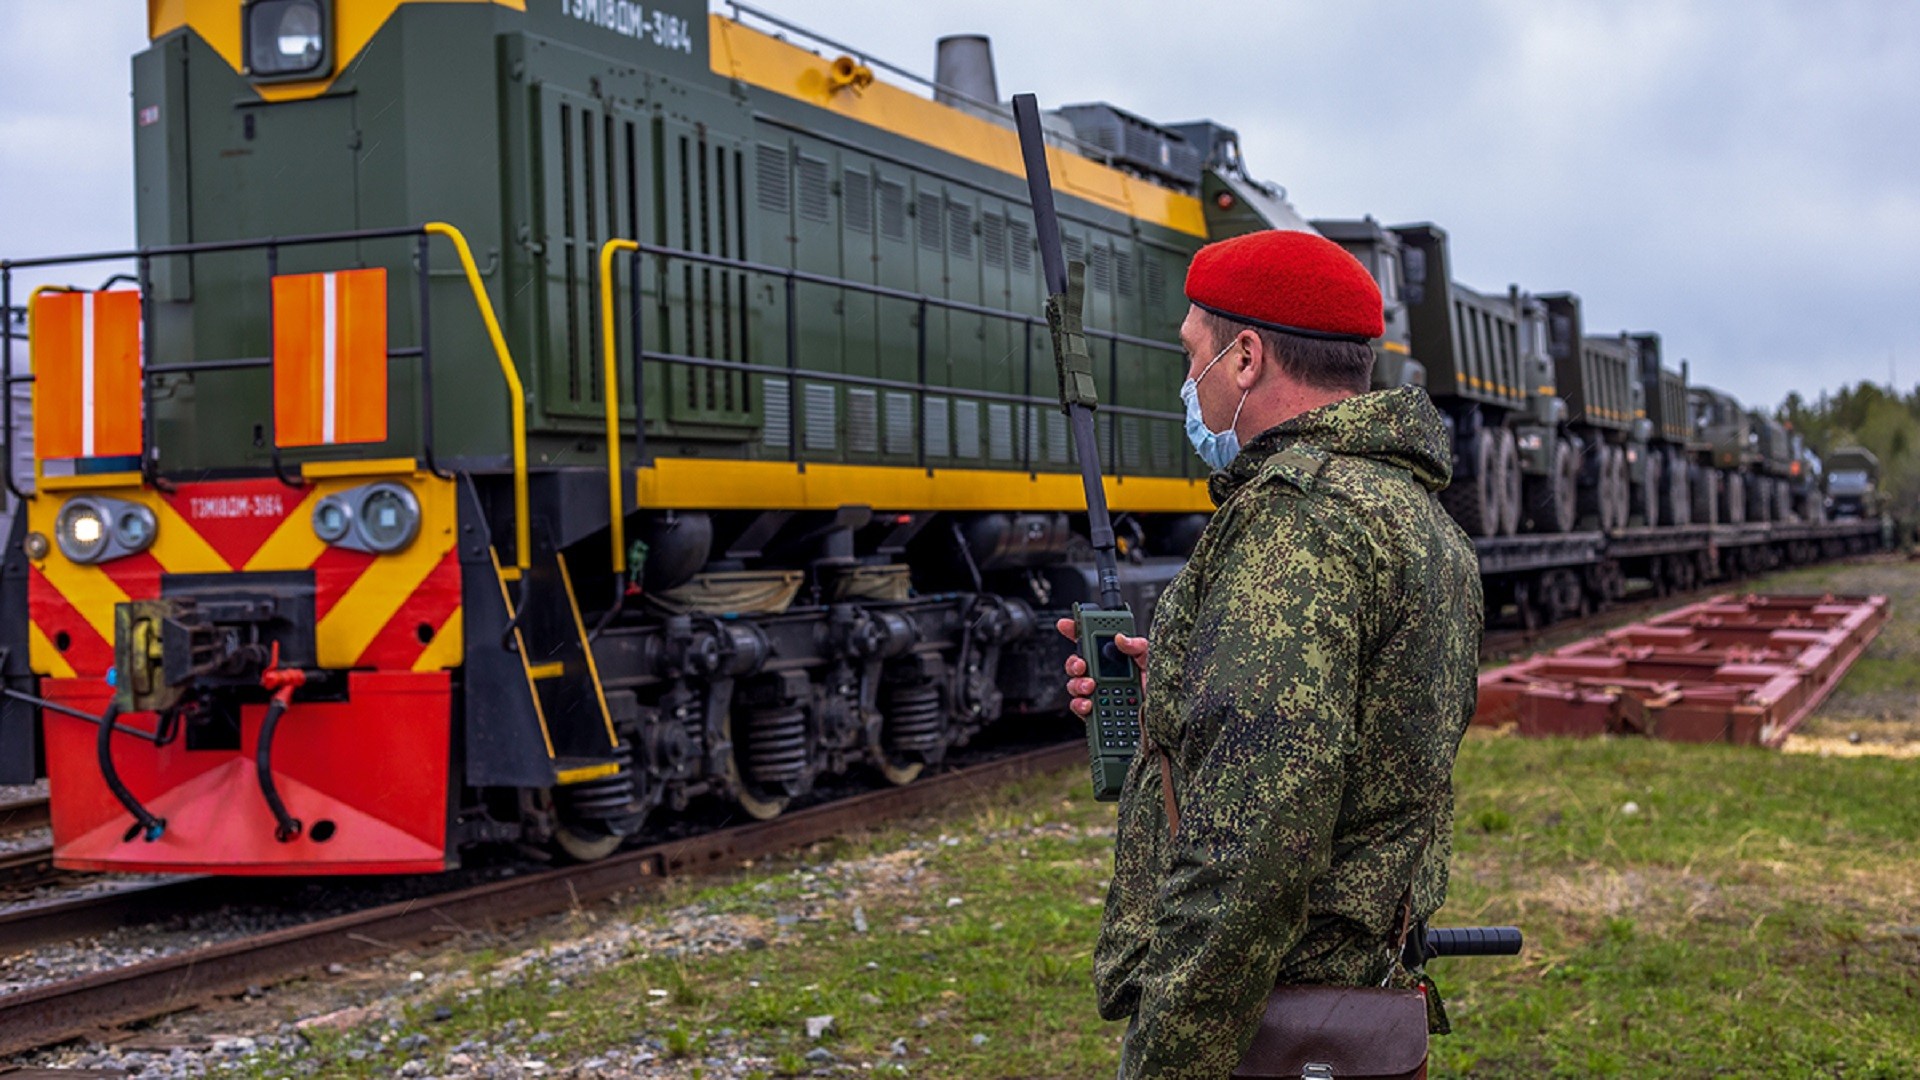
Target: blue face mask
1216,448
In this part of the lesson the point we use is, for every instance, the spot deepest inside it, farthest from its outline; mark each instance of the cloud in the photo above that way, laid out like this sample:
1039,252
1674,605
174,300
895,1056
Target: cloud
1740,175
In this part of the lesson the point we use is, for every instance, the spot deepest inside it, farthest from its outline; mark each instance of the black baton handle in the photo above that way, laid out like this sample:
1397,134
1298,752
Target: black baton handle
1474,941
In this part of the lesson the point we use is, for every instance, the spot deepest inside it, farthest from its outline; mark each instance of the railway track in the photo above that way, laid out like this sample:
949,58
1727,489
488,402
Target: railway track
90,1004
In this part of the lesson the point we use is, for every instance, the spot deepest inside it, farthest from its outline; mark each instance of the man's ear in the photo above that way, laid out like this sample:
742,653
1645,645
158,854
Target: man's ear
1254,360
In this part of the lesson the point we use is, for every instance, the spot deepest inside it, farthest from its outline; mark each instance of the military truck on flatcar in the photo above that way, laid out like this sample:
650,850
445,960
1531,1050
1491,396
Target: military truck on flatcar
1379,250
1776,465
1725,451
1486,366
1596,378
1669,431
1853,483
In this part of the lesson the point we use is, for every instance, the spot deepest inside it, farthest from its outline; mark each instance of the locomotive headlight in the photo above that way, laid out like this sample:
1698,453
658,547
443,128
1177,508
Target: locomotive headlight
81,531
286,39
332,519
389,517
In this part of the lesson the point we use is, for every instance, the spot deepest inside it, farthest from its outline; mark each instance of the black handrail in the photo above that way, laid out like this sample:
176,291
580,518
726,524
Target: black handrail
808,277
791,278
143,258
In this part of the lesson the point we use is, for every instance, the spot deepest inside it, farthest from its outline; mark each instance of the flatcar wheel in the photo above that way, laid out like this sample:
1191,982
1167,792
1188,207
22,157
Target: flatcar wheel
1509,484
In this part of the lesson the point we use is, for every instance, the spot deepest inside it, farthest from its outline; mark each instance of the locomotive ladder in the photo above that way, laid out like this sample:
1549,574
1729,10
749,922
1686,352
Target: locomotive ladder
534,615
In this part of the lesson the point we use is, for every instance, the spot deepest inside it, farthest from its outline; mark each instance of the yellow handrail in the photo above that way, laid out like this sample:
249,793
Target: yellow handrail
517,398
610,382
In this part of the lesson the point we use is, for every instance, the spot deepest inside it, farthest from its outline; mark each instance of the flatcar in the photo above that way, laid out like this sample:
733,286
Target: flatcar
525,420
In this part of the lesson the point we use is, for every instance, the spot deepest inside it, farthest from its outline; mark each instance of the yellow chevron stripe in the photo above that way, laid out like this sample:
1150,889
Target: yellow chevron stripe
293,546
179,549
360,614
43,657
91,592
448,647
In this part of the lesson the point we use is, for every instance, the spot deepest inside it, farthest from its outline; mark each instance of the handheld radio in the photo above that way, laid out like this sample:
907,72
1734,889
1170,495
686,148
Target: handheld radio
1113,727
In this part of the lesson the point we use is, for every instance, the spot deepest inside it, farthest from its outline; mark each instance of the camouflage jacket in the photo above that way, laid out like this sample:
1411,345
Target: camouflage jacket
1312,672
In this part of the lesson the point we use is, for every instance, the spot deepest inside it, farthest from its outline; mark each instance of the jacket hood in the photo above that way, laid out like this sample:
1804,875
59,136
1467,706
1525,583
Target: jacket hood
1398,427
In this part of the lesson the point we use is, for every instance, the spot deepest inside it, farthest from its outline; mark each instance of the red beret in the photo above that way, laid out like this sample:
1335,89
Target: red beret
1296,282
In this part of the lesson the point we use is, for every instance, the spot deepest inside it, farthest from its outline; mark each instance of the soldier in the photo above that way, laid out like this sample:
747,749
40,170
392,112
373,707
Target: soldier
1313,671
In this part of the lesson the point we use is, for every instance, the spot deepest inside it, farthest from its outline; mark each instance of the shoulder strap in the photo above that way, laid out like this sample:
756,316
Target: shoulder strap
1298,465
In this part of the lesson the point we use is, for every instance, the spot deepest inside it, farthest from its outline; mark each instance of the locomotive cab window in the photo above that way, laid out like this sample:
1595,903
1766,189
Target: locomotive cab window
287,40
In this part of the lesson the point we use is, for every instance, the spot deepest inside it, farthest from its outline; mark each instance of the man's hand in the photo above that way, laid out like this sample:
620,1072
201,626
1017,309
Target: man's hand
1079,686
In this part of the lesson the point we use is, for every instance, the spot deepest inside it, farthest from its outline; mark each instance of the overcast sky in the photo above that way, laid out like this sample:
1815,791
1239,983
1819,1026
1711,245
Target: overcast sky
1742,176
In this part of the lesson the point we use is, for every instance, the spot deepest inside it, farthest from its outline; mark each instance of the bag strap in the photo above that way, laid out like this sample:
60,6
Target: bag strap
1166,777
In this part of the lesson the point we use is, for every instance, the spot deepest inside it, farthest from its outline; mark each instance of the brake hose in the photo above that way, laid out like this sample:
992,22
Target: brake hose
146,826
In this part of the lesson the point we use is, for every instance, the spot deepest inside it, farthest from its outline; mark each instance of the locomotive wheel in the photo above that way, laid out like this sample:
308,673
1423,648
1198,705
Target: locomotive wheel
1733,498
1509,484
583,844
1474,501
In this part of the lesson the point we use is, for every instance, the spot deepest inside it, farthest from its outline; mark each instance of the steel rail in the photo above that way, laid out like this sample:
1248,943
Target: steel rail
66,918
28,813
49,1014
28,866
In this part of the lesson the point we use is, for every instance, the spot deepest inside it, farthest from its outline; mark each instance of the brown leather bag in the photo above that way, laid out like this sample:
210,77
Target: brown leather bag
1339,1033
1329,1032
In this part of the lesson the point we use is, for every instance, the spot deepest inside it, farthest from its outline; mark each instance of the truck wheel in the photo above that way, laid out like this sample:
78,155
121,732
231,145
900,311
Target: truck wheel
1552,500
1620,490
1733,498
1678,509
1649,490
1509,484
1760,499
1474,501
1706,495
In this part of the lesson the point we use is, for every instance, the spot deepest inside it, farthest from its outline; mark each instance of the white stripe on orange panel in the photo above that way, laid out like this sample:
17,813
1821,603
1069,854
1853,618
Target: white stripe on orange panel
329,353
86,374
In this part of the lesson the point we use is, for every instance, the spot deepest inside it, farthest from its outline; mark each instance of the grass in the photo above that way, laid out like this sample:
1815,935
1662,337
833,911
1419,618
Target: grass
1690,911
